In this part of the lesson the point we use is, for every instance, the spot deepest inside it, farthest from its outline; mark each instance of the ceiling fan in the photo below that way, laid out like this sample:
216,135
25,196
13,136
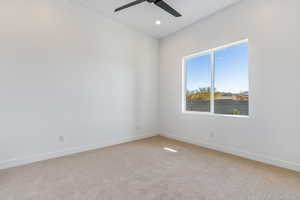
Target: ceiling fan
160,3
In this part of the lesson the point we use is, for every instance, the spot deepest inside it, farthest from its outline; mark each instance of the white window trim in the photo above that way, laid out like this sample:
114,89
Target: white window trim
210,52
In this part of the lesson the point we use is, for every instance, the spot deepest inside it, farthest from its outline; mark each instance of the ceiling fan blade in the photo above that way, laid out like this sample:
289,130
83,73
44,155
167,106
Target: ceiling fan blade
163,5
130,4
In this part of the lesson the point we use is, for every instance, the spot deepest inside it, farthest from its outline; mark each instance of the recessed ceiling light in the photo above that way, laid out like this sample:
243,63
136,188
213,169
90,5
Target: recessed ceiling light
157,22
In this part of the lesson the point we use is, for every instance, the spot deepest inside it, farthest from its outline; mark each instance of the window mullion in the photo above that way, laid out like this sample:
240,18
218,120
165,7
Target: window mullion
212,87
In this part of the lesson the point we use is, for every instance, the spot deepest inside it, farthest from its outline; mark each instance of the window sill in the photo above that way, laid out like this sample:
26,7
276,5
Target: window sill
214,115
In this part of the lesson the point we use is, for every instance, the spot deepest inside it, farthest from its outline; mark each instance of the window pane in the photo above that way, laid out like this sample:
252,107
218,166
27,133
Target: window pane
231,80
198,82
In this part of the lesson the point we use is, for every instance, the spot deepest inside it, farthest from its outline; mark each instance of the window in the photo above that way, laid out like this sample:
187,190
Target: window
216,81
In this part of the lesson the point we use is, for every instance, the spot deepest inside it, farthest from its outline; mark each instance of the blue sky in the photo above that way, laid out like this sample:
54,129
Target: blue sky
231,72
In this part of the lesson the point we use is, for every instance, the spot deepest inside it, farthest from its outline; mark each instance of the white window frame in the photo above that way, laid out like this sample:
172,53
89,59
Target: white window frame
211,53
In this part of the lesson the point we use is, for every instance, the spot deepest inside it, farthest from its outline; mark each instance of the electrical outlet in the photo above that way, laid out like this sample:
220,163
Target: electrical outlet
61,138
212,135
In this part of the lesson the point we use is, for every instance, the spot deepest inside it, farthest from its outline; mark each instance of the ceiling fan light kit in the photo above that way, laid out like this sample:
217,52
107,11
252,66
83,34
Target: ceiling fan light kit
160,3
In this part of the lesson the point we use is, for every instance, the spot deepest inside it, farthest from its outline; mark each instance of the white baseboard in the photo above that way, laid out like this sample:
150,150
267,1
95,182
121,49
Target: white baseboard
35,158
229,150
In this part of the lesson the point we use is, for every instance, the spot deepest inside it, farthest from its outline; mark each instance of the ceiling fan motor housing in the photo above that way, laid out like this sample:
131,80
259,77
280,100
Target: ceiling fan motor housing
153,1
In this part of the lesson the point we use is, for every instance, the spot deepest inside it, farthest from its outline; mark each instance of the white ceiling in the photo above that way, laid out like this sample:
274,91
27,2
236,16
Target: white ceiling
143,16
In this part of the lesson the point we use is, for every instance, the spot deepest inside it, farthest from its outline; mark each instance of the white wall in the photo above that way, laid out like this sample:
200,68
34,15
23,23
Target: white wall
67,71
272,133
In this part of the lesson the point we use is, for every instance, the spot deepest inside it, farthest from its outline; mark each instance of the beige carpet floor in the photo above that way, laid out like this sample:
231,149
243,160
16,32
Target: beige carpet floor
144,170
